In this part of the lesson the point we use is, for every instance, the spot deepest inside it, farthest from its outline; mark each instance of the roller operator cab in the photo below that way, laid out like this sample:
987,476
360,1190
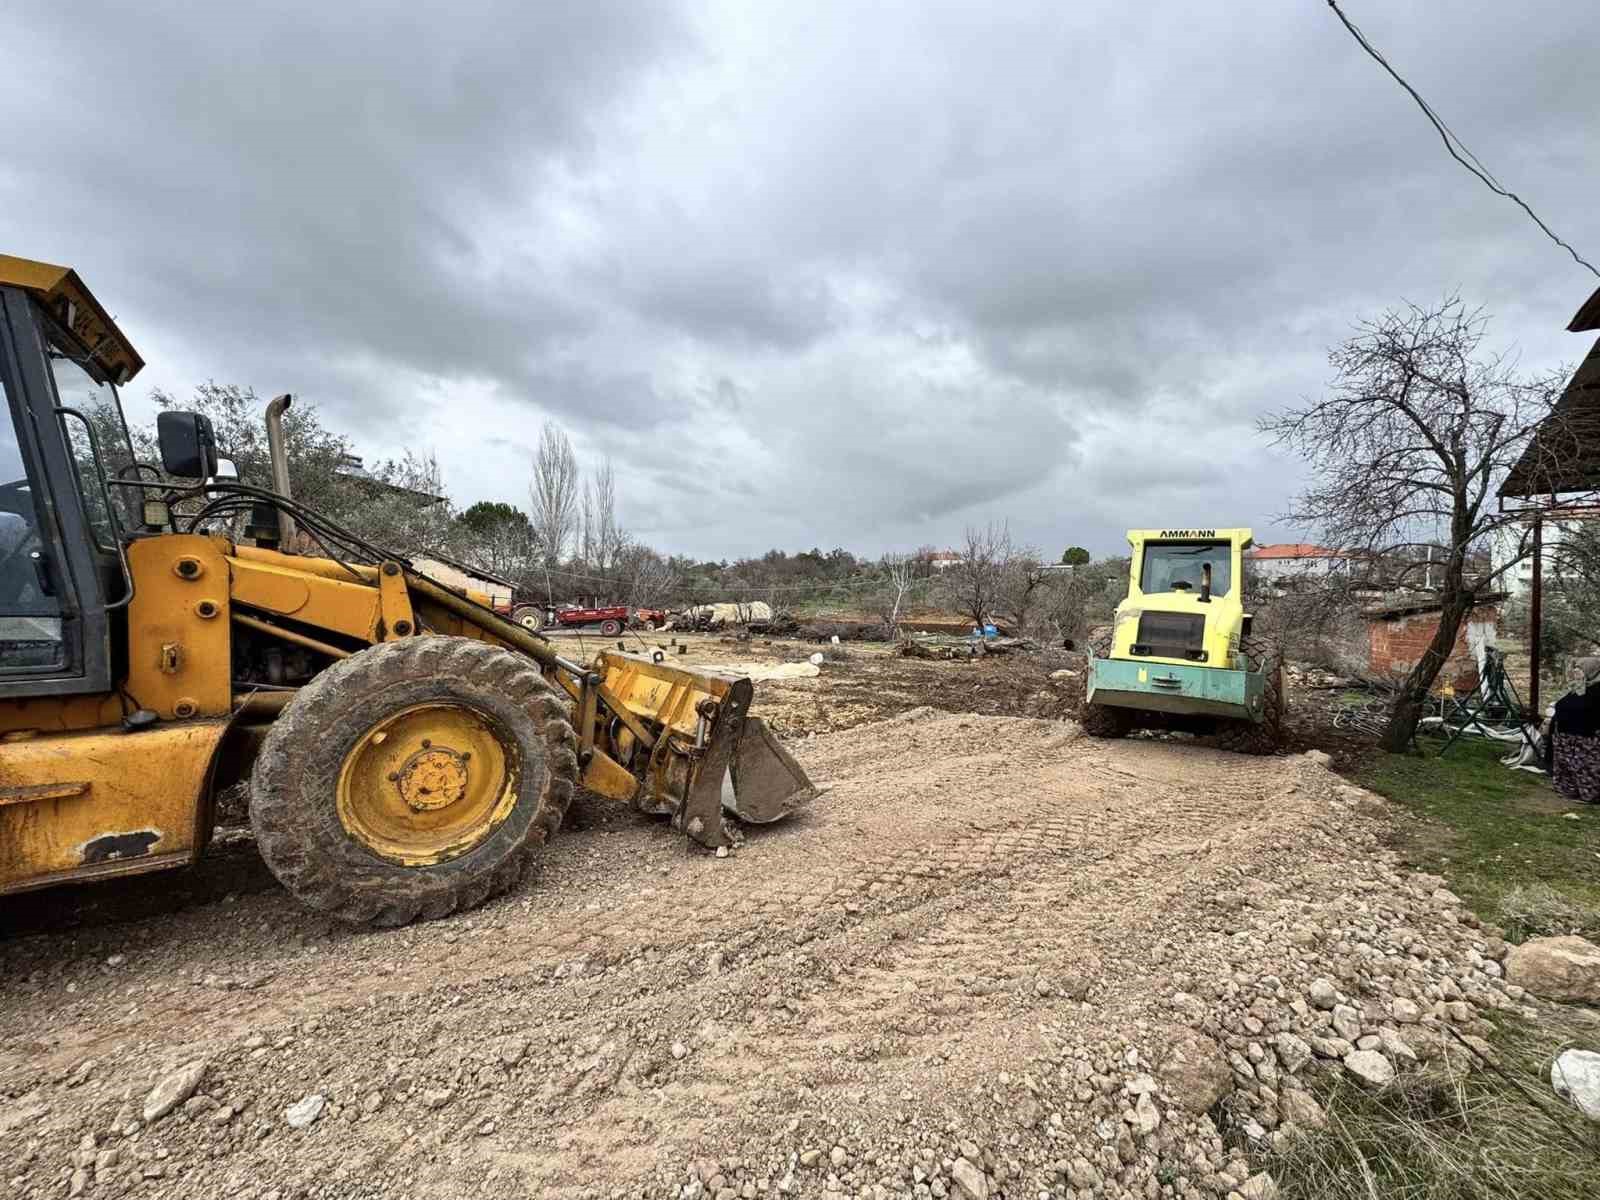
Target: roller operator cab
407,749
1181,653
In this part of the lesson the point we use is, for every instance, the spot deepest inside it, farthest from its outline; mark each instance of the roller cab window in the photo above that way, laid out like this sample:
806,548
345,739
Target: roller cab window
1185,566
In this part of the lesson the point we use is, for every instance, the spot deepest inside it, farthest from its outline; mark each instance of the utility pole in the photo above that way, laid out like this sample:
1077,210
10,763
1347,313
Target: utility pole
1535,612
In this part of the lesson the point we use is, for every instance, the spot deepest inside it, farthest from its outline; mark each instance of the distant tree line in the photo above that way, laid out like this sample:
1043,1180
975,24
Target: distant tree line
567,542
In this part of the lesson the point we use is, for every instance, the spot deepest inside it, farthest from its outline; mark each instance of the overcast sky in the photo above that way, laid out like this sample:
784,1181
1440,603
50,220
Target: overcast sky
811,274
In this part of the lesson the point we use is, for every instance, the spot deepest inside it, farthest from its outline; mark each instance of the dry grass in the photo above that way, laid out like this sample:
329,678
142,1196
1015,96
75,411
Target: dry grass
1496,1133
1539,910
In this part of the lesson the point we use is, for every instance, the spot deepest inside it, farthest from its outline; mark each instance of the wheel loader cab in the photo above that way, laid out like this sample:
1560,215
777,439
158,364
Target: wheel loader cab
62,523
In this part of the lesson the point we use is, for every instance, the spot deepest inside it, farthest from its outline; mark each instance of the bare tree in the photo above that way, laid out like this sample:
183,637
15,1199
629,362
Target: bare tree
601,538
977,579
1022,587
1408,449
900,571
647,579
553,497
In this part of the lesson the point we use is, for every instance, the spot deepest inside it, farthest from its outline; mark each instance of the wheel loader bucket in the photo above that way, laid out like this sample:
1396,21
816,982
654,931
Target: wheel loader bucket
765,784
696,752
743,771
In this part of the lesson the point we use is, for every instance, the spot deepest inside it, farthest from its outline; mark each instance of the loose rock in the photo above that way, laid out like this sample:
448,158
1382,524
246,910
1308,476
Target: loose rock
971,1180
1195,1073
1557,968
1299,1107
173,1090
1576,1075
1370,1068
304,1113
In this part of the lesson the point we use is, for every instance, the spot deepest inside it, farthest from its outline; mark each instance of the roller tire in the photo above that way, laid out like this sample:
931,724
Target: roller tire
293,807
1265,736
1103,720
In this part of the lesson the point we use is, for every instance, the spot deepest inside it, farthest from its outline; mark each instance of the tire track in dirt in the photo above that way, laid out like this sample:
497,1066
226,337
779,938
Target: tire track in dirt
888,944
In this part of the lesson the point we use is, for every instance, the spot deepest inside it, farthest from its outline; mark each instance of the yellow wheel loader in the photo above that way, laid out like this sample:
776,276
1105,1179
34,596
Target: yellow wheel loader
408,751
1182,654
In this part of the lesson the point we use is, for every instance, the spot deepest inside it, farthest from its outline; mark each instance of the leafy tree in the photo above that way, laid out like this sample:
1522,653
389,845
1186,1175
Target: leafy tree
487,516
1074,556
237,414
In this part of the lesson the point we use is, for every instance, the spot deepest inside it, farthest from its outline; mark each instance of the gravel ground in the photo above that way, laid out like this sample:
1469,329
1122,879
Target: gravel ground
994,959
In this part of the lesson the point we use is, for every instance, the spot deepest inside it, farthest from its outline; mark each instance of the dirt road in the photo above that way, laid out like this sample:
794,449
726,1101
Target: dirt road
982,925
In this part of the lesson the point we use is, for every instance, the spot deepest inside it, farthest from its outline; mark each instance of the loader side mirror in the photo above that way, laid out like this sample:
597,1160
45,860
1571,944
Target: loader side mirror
188,444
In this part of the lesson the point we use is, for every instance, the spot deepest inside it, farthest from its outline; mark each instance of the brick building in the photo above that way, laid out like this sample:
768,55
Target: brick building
1398,634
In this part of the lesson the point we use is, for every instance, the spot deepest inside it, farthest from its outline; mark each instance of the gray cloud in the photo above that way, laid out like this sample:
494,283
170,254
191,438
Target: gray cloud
838,274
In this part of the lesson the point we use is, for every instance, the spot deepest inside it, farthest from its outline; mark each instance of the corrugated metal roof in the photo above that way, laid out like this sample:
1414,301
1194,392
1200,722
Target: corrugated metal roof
1564,453
1588,317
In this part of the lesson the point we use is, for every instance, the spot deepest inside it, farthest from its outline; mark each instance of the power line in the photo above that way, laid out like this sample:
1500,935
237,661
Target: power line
1455,145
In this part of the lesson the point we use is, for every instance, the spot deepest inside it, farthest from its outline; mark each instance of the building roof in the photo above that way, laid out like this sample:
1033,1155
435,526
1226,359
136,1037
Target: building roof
1292,550
1588,317
467,568
1563,455
354,467
1406,605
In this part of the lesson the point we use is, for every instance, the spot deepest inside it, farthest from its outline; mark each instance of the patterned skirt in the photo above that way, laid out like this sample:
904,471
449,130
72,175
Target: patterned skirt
1576,769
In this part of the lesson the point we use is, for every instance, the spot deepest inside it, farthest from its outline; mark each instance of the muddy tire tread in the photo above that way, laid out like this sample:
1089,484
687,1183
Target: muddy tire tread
1103,720
292,786
1265,736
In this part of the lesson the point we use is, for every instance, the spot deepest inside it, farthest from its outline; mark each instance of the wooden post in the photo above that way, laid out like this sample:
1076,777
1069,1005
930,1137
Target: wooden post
1535,614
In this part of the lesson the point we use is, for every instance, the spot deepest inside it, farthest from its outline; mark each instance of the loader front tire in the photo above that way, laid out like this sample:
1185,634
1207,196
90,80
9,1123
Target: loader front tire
1265,736
413,779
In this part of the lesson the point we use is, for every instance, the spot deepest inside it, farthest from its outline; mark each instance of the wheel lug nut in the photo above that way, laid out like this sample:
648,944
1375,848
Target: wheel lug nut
426,743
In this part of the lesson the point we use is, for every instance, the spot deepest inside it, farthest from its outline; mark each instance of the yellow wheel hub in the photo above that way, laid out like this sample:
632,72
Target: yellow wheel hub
427,784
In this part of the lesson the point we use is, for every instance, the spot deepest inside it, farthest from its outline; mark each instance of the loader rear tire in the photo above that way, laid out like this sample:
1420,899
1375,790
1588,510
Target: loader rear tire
1264,736
1102,720
364,818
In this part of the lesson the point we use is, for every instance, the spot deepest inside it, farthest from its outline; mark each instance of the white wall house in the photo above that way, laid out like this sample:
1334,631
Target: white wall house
1516,539
1276,562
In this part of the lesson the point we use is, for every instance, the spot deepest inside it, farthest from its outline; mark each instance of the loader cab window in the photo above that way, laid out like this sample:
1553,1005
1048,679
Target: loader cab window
30,606
84,390
1180,566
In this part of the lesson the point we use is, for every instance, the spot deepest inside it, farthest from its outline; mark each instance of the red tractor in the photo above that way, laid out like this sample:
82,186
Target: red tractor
611,619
